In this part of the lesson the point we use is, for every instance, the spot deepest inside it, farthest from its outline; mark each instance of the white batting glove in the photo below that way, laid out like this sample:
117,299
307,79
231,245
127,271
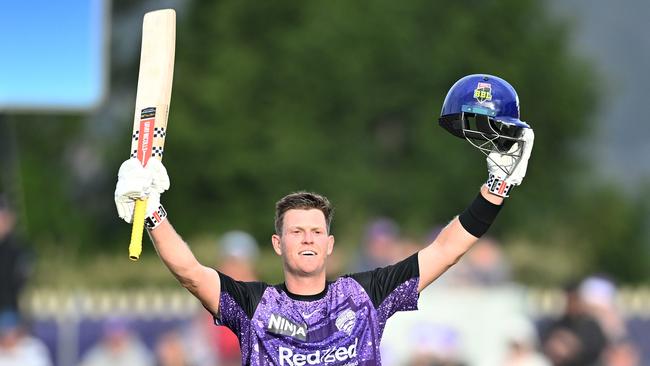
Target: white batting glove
137,182
499,181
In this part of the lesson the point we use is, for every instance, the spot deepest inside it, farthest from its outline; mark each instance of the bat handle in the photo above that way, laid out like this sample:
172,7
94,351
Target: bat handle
135,247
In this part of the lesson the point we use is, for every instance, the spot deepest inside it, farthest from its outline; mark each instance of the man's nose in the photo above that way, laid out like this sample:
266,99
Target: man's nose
308,237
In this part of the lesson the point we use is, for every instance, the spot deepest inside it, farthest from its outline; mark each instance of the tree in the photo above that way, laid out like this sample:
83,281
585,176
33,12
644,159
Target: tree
343,98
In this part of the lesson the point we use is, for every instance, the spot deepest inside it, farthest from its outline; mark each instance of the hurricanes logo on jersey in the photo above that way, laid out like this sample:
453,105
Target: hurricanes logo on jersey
346,320
483,92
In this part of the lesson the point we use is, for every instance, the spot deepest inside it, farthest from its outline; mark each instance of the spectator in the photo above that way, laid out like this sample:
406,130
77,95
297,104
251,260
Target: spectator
484,265
118,347
238,252
599,296
407,246
198,340
18,348
435,345
170,350
522,337
575,338
622,353
205,343
15,260
380,245
598,292
338,263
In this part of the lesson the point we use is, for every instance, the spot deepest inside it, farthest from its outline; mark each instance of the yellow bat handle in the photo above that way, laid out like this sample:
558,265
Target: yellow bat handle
135,247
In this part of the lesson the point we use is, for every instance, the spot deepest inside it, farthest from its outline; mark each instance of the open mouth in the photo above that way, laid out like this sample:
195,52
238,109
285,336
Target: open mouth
308,253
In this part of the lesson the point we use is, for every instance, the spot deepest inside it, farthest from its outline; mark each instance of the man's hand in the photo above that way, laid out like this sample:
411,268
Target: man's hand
137,182
499,181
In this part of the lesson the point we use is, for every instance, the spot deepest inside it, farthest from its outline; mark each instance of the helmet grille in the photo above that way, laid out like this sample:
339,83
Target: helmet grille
485,133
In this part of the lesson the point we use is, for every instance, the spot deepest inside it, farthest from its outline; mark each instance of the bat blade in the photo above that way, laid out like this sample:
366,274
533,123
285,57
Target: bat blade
152,102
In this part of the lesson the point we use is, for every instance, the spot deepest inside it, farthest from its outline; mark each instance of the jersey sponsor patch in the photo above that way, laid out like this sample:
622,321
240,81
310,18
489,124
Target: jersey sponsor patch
325,356
283,326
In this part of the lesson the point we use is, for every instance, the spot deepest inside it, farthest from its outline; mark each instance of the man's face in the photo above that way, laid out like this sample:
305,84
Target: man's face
304,244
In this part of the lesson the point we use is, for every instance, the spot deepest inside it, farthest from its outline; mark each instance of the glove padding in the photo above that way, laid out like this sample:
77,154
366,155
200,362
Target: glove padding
137,182
499,181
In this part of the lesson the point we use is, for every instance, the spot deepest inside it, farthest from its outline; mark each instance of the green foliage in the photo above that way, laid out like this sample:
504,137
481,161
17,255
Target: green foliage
615,233
342,98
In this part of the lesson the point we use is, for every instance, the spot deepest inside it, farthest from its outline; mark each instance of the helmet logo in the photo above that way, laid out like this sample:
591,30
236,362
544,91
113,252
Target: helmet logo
483,92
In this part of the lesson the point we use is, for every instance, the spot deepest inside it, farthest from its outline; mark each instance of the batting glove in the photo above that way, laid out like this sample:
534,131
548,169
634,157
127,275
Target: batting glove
499,181
137,182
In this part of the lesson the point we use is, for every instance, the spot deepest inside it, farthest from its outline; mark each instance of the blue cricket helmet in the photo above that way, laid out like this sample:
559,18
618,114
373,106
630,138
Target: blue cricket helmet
483,107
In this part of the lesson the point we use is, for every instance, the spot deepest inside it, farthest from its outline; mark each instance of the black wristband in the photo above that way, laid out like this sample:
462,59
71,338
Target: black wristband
478,217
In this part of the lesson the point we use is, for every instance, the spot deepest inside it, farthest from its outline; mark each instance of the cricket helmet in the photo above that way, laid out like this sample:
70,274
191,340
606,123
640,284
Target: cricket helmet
484,110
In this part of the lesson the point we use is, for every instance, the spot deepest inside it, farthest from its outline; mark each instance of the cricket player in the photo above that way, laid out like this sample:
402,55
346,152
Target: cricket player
308,320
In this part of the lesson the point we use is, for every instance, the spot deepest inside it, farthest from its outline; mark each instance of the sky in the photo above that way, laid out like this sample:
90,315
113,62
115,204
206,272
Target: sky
614,37
52,54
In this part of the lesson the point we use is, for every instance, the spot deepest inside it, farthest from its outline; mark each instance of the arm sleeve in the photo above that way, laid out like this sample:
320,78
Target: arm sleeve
238,301
397,284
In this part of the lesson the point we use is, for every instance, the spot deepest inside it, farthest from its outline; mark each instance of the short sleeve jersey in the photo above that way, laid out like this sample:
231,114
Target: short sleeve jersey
342,325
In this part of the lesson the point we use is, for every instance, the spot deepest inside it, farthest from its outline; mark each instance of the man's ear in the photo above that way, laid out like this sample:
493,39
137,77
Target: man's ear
277,244
330,245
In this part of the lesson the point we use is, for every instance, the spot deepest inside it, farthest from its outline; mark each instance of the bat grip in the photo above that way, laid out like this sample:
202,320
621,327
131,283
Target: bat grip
135,247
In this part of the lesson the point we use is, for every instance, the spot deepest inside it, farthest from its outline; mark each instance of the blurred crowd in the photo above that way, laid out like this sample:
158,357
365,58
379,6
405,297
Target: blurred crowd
590,331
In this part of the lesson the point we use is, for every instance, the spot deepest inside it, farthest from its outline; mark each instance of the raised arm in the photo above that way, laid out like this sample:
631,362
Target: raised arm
202,281
455,240
465,230
134,181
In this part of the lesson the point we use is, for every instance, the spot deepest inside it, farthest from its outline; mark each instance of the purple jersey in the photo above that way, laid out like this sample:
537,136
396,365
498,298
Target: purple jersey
342,325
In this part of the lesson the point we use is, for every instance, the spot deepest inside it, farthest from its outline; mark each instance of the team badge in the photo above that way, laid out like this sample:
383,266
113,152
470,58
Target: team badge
345,321
483,92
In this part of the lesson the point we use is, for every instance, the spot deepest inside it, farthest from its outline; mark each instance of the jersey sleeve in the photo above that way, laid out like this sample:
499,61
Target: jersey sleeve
392,288
238,302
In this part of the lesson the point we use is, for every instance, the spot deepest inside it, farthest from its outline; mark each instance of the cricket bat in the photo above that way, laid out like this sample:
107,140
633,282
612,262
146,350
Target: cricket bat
152,102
